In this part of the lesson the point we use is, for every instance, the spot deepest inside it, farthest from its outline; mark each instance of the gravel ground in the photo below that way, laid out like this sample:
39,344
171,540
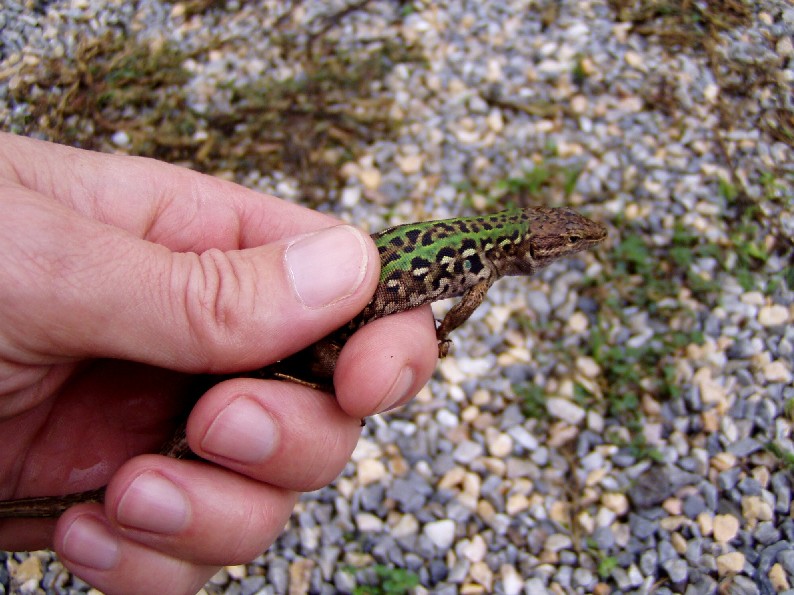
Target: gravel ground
620,422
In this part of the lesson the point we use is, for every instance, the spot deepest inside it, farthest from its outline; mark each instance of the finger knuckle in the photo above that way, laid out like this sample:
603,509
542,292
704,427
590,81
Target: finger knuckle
217,300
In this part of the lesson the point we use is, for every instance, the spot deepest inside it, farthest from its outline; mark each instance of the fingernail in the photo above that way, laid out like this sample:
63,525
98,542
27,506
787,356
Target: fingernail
399,391
88,542
243,432
153,503
327,266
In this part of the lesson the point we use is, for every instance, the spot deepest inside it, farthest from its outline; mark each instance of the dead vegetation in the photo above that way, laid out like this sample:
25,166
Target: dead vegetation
306,125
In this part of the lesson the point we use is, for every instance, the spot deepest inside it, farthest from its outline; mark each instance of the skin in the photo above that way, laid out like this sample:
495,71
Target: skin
122,277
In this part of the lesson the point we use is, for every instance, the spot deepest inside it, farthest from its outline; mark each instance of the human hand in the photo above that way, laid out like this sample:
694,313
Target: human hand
121,277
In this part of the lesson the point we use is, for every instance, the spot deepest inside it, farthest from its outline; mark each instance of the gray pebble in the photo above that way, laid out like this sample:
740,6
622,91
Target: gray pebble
345,582
781,486
584,578
677,570
563,577
649,561
411,495
251,584
766,533
666,552
728,479
786,559
744,447
710,495
641,528
568,558
651,488
704,585
743,585
749,486
604,538
538,302
694,505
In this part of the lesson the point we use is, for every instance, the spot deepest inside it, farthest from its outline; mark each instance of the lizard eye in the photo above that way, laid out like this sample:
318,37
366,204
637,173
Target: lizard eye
573,240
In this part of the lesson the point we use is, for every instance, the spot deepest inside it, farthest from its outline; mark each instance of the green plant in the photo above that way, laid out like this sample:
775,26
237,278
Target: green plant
533,400
392,581
578,72
606,565
786,457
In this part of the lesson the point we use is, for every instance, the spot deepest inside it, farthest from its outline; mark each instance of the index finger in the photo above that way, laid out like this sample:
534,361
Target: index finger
184,210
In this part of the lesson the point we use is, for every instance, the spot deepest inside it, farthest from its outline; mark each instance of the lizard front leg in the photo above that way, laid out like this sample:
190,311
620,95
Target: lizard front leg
460,312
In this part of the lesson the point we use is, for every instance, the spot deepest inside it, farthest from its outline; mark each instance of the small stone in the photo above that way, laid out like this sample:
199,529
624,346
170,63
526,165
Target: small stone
494,121
27,575
238,571
120,139
467,451
753,298
578,323
679,543
730,563
409,164
726,526
723,461
516,503
441,533
777,576
677,570
370,471
773,315
756,508
616,502
785,47
584,578
368,523
744,447
565,410
512,583
635,60
673,506
351,196
405,527
300,573
370,178
588,367
557,542
777,372
706,523
499,445
482,575
786,558
475,550
579,104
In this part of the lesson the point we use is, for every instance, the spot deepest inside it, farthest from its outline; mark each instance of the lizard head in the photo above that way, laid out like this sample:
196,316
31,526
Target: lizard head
552,234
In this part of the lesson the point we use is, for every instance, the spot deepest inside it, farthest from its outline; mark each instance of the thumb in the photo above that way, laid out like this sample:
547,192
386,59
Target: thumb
92,290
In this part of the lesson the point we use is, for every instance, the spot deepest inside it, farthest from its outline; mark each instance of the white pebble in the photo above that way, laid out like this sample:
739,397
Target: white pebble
441,533
773,315
120,139
475,550
368,523
777,372
370,471
577,323
565,410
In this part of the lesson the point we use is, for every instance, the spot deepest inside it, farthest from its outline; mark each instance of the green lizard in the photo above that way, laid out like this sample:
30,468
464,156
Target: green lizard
420,263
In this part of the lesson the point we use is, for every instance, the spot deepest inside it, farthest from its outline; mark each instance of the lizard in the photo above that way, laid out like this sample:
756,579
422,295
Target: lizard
420,263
